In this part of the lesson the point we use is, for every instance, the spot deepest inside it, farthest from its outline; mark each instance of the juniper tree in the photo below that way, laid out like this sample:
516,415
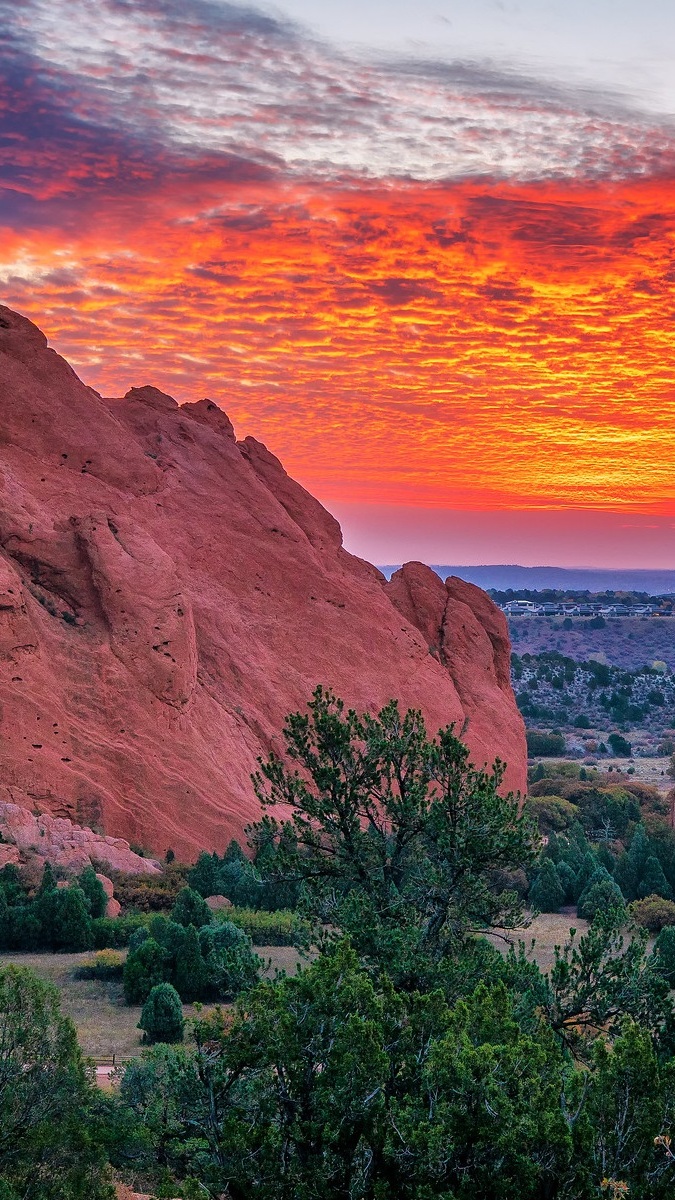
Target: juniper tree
394,837
162,1015
547,893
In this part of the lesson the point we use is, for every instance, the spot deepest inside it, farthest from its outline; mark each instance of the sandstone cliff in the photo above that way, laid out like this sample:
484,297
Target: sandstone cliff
168,594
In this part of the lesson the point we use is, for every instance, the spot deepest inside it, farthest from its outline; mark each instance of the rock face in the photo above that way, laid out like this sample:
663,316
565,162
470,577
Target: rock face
469,636
168,595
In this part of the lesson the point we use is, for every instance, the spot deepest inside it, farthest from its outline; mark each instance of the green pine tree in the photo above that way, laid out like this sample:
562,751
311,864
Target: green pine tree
606,859
5,923
190,909
586,871
190,975
48,883
664,954
653,881
45,905
547,893
144,969
162,1015
567,879
27,932
639,850
626,877
234,852
10,881
94,891
205,875
50,1148
600,894
72,923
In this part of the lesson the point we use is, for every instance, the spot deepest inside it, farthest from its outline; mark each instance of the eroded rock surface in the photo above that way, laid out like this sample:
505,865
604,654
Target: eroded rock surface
58,841
168,595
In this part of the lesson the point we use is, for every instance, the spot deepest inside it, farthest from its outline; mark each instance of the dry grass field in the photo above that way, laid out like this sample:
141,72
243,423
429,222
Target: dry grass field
105,1024
548,931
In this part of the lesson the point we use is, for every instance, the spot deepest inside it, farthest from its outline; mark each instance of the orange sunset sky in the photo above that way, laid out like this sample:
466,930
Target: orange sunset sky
443,294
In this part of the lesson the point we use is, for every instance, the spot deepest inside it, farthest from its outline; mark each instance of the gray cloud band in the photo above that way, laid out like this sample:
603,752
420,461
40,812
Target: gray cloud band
164,86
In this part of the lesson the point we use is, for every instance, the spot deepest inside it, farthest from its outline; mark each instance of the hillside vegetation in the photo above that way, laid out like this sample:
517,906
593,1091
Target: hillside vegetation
410,1059
626,642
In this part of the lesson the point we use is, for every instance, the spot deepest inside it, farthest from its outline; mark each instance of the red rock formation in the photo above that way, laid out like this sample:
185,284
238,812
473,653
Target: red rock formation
167,595
470,637
59,841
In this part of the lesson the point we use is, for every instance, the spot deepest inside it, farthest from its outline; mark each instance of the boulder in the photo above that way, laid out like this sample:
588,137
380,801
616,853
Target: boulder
217,902
113,908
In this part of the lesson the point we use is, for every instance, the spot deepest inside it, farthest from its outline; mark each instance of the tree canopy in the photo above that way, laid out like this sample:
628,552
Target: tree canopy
397,839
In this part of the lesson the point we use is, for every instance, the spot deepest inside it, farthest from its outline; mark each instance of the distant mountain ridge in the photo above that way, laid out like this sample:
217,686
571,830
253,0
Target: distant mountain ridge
503,576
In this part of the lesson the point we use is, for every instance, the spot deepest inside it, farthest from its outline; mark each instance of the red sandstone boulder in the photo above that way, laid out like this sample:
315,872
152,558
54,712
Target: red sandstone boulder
215,903
113,908
168,595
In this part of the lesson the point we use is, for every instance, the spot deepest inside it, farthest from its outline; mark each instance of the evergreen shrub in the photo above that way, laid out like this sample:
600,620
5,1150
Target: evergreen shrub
162,1015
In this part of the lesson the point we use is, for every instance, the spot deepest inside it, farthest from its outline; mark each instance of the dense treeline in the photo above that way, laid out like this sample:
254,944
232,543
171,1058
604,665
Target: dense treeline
249,881
604,842
579,596
411,1060
201,959
53,918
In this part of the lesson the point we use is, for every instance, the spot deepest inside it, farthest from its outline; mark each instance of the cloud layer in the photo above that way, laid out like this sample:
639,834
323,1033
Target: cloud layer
422,283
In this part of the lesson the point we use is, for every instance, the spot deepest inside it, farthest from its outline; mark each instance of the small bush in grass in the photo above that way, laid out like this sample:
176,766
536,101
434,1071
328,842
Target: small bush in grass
544,745
653,913
162,1015
105,964
621,747
282,928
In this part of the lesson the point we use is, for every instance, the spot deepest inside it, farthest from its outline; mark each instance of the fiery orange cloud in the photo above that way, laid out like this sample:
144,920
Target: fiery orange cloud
463,345
424,284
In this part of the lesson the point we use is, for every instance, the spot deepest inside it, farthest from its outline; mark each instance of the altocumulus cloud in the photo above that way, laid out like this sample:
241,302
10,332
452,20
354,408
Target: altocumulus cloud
124,90
490,254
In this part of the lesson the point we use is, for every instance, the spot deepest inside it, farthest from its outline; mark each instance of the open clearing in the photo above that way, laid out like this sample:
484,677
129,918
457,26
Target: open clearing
106,1026
548,930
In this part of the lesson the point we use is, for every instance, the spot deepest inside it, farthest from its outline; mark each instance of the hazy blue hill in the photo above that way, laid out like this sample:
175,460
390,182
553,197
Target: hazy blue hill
503,576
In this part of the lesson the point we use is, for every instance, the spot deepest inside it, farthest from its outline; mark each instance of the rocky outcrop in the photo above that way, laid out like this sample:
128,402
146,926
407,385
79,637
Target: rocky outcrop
168,595
59,841
216,903
469,636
